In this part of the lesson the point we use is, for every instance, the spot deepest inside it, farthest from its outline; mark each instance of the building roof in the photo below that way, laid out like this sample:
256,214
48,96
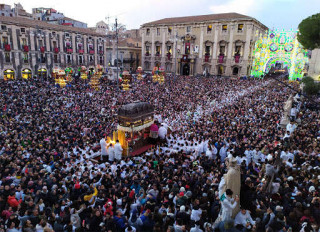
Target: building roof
44,25
70,19
199,18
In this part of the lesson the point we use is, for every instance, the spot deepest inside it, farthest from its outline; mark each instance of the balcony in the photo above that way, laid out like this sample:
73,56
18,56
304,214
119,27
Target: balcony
100,52
207,58
147,58
25,48
221,59
237,59
81,51
91,51
7,47
69,50
168,56
56,50
42,49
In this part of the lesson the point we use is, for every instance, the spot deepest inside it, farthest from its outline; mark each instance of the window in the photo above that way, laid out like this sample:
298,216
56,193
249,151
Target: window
4,40
54,43
91,59
23,30
55,58
169,30
7,57
158,50
80,59
23,41
68,59
188,29
147,65
222,50
237,50
25,58
3,27
169,49
101,60
40,43
100,48
187,48
43,58
147,50
240,27
208,48
209,29
224,27
148,31
158,31
67,35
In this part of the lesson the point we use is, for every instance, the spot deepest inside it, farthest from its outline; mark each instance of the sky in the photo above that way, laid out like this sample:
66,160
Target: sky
275,14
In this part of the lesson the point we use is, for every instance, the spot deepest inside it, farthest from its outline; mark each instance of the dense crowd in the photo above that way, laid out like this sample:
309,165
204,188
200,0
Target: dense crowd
49,135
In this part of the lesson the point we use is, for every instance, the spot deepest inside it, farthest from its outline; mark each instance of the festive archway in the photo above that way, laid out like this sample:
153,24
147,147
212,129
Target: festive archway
282,47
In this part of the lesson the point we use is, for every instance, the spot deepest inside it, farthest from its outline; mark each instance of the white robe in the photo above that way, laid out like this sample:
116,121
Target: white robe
111,153
103,145
228,204
118,151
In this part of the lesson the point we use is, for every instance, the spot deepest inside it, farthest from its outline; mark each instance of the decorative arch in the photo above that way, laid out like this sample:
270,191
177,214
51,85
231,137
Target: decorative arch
282,47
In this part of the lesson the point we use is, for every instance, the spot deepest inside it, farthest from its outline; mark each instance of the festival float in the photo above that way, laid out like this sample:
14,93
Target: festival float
83,73
134,121
155,74
60,78
161,74
139,71
126,80
68,73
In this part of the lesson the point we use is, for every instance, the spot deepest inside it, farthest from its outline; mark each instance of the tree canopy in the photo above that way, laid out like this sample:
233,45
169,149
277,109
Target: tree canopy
309,32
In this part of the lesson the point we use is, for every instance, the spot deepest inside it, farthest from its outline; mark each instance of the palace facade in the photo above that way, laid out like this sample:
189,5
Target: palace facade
31,47
217,44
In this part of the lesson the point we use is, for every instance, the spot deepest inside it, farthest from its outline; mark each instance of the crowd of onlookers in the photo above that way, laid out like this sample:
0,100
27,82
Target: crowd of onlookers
49,180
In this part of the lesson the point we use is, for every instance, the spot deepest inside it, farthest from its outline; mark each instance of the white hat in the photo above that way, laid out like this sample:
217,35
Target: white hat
312,189
290,178
182,189
182,208
279,208
119,202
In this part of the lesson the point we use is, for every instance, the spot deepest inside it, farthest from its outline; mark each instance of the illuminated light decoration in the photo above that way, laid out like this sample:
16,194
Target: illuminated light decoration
279,49
273,47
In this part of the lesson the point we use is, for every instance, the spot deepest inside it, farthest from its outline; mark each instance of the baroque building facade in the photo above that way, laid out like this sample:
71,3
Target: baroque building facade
32,47
217,44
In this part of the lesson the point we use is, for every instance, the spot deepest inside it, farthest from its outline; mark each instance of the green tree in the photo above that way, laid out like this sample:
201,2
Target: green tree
309,32
310,86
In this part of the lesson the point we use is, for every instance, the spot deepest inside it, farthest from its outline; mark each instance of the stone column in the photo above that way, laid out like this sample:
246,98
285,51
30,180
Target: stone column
152,47
245,57
163,48
215,50
143,52
229,52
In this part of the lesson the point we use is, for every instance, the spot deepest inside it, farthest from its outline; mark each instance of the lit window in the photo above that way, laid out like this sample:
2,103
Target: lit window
209,28
188,29
240,27
224,27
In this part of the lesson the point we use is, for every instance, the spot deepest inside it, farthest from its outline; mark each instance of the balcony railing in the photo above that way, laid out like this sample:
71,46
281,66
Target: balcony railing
56,50
25,48
7,47
91,51
42,49
81,51
69,50
221,59
207,58
237,59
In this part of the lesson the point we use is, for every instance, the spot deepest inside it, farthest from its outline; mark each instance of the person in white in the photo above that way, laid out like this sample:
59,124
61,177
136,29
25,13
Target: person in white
291,127
244,220
228,204
103,145
118,150
162,132
111,153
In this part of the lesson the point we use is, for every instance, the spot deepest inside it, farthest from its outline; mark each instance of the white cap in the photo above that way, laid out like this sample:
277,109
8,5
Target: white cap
312,189
182,208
